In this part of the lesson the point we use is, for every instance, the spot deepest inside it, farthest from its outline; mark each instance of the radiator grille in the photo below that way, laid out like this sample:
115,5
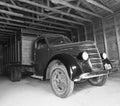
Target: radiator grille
94,55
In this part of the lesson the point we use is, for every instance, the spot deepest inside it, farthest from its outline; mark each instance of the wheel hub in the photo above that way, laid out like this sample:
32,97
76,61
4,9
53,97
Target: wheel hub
59,81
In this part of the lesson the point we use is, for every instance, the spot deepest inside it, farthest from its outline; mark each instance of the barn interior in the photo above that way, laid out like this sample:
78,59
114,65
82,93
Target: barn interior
80,20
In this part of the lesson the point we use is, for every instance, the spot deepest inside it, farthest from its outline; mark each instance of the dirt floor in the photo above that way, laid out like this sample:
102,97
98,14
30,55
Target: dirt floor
33,92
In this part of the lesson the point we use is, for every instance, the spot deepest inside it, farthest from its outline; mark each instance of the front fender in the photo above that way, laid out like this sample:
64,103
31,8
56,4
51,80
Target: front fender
70,63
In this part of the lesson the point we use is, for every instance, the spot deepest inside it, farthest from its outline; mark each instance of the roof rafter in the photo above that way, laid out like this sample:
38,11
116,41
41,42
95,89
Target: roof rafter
24,26
6,30
14,20
54,10
99,5
62,2
20,15
38,13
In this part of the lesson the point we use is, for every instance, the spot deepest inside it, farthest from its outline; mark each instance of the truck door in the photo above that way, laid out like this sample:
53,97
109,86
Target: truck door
41,56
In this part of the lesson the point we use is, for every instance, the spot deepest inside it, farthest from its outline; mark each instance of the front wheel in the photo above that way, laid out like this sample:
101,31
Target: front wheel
61,84
98,81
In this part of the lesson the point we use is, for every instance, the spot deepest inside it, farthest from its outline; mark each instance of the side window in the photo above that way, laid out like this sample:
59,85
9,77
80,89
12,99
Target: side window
41,43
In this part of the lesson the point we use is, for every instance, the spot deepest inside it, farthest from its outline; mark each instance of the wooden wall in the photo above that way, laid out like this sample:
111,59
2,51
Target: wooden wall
78,34
106,33
111,39
81,33
94,32
89,34
99,35
107,37
1,59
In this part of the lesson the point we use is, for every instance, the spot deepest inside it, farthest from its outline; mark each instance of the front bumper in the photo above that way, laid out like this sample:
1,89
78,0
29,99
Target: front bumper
91,75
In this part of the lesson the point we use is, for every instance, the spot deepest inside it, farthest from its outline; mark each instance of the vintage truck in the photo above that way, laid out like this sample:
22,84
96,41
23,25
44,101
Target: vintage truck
55,57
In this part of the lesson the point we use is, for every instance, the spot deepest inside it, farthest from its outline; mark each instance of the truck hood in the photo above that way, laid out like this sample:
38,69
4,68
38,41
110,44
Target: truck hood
73,48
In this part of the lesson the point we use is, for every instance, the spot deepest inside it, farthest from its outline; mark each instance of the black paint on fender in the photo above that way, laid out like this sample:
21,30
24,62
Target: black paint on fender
70,63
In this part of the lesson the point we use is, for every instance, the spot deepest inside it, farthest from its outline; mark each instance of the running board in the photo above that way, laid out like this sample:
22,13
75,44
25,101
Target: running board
37,77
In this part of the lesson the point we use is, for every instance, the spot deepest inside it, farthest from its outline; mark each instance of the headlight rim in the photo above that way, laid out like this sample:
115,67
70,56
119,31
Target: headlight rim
85,56
104,55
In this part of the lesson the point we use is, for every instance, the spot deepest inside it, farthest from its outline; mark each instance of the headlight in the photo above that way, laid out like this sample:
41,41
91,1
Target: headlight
85,56
104,55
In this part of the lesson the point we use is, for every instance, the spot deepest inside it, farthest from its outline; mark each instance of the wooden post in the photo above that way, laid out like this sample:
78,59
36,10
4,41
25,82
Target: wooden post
85,33
78,33
118,38
15,46
20,47
94,35
105,39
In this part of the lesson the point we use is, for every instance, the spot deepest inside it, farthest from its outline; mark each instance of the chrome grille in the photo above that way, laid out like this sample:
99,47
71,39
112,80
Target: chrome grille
94,55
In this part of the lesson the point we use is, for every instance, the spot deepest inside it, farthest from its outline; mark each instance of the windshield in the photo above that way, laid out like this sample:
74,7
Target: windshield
58,40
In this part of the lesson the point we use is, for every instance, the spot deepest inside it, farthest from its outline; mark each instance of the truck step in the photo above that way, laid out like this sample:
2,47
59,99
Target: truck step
37,77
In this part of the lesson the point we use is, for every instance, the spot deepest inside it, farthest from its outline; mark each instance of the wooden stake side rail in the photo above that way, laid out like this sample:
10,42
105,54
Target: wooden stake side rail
11,52
17,52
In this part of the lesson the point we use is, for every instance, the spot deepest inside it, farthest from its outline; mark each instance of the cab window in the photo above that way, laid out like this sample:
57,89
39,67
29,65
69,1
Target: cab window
41,43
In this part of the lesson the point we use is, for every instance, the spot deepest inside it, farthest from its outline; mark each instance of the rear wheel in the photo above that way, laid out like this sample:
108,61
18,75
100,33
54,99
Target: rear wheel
98,81
15,74
61,84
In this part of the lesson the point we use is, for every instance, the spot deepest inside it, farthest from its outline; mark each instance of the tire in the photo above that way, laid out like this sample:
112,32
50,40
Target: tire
15,74
98,81
61,84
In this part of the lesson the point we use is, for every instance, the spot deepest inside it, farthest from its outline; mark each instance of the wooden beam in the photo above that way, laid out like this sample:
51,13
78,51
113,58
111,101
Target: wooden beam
23,26
31,18
69,0
19,21
54,10
37,24
74,7
11,13
4,36
9,19
99,5
37,13
6,30
4,39
12,2
59,7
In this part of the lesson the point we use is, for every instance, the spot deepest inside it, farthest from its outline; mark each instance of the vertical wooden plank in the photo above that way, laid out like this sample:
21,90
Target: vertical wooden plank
81,31
78,34
18,51
10,51
89,32
117,29
1,59
111,39
85,33
15,46
98,30
94,33
105,39
20,47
